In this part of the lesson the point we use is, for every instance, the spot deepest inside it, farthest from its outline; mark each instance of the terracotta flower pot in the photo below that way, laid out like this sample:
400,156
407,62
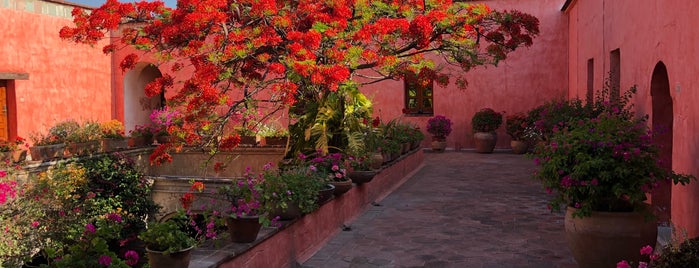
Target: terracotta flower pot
519,147
83,148
275,141
325,194
14,156
341,187
605,238
362,176
113,145
47,152
180,259
140,141
485,141
243,229
376,161
291,212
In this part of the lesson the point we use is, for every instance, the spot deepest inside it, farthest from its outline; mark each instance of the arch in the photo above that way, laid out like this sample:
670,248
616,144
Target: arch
137,107
662,122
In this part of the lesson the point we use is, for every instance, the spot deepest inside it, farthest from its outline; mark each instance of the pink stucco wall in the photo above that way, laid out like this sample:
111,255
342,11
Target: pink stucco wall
66,80
646,32
527,78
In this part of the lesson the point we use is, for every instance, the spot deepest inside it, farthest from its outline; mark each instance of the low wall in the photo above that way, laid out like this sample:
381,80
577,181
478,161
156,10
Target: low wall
298,240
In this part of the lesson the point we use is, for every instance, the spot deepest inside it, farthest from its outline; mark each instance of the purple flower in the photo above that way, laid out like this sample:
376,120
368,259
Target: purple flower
105,260
131,257
114,217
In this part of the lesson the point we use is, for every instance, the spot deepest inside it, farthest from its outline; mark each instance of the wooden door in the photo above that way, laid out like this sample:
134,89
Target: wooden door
4,135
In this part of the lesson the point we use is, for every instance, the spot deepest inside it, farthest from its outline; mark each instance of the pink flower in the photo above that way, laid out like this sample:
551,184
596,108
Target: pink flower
114,217
338,175
647,250
35,224
89,228
623,264
642,265
131,257
335,168
105,260
3,173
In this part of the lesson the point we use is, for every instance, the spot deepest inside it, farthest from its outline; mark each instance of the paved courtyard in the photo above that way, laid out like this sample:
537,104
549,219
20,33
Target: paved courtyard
462,209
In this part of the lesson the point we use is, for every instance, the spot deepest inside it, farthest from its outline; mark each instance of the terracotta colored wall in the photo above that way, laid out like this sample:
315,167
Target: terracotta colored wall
66,80
646,32
527,78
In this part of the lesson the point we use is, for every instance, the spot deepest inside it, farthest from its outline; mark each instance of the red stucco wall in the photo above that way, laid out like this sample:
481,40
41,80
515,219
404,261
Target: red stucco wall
646,32
527,78
66,80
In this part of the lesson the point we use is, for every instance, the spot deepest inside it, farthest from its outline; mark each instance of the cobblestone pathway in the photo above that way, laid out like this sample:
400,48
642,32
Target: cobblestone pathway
461,210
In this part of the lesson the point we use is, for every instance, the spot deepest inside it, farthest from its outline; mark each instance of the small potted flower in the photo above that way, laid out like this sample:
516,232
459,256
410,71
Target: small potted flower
484,123
601,171
52,144
516,126
440,127
14,151
168,245
273,136
113,136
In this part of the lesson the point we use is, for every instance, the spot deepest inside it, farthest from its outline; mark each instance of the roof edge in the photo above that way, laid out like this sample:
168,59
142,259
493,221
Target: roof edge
68,3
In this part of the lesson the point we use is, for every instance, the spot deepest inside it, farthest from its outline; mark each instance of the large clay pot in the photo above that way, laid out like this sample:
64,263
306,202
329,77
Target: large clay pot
439,146
325,194
243,229
605,238
376,161
485,141
519,147
156,259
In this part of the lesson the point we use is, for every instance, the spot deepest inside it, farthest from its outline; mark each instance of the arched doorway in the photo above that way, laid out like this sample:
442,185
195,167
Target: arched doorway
662,122
137,107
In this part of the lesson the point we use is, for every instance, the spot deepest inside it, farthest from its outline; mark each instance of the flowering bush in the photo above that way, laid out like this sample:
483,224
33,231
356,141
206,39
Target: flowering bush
112,129
142,131
168,237
645,251
686,254
89,131
486,120
606,163
244,195
439,126
516,126
93,247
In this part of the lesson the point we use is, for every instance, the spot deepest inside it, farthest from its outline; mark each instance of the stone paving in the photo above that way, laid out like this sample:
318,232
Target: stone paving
462,209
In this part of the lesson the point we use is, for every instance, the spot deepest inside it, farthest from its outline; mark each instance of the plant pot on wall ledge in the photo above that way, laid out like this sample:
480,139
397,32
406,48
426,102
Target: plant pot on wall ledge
485,141
180,259
47,152
243,229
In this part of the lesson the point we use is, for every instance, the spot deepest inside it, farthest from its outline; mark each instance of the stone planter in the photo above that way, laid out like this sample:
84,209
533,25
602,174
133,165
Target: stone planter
137,142
47,152
83,148
113,145
275,141
325,194
13,156
248,141
605,238
485,141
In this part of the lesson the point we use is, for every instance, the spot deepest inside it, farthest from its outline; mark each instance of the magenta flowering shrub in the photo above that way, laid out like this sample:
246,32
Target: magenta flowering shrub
244,194
439,126
163,118
606,163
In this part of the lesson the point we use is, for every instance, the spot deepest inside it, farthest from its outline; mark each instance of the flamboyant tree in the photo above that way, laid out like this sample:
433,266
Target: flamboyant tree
298,53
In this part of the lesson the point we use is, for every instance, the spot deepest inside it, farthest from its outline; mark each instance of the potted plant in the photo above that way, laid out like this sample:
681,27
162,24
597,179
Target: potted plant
140,136
484,123
440,127
51,145
14,151
113,136
290,192
248,136
85,139
602,170
516,126
168,245
245,213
